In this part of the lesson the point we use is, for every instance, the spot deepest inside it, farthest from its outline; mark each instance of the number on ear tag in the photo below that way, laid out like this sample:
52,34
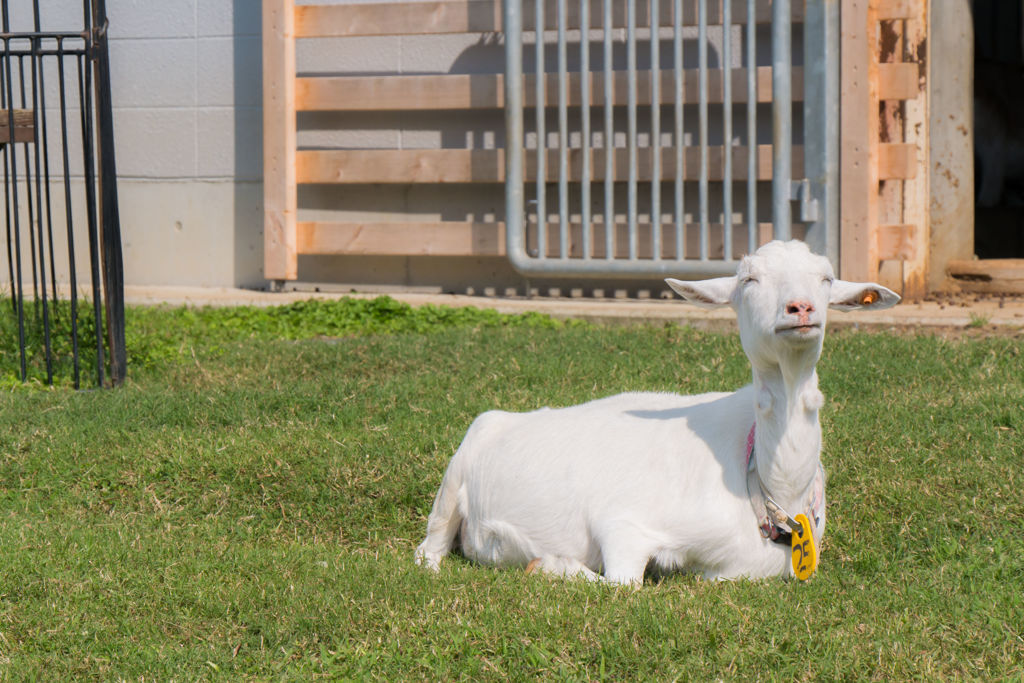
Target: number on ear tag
805,555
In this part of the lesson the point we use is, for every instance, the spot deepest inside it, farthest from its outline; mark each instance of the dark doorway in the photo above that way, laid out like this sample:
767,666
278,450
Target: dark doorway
998,128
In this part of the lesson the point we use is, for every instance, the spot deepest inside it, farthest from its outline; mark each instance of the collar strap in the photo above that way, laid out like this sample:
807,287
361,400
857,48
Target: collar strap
773,520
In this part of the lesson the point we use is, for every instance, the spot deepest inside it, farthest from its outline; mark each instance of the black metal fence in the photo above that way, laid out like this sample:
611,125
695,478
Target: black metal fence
66,307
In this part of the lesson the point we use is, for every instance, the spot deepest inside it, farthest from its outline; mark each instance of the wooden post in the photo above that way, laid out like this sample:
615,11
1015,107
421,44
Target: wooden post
858,143
951,143
280,261
916,48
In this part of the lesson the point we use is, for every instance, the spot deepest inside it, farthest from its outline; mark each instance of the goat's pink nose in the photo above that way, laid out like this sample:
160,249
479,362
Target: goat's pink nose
799,307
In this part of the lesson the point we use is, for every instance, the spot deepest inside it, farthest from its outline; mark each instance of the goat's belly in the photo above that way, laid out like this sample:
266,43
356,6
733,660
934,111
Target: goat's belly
546,483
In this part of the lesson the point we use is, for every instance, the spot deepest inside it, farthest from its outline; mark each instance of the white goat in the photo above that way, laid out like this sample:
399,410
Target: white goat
639,479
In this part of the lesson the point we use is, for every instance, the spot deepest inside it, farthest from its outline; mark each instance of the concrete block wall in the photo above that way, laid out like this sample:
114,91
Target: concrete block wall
186,84
186,79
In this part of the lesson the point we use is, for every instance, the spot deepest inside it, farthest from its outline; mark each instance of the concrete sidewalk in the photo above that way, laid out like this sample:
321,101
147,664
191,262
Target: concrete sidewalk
963,312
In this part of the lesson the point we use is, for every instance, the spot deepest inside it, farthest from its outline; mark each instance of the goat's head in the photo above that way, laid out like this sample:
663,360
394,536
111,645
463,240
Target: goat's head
781,294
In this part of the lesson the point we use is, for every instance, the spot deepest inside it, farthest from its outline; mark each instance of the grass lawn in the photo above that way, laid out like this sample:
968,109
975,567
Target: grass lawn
246,507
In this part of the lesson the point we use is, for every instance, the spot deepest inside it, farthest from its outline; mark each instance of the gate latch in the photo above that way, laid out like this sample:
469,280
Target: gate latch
800,190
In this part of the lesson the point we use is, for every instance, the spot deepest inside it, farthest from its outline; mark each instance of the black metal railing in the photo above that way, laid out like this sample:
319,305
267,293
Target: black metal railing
60,180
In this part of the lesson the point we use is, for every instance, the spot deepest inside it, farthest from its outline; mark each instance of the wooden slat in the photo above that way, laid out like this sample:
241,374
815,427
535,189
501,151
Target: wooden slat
898,81
995,276
897,160
858,128
447,238
456,238
24,126
897,242
487,165
486,91
280,198
484,16
895,9
916,190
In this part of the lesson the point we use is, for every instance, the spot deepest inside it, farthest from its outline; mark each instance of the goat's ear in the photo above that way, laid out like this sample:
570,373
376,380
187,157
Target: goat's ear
705,293
849,296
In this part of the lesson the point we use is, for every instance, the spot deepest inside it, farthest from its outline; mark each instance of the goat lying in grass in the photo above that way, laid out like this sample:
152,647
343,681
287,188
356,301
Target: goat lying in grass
701,483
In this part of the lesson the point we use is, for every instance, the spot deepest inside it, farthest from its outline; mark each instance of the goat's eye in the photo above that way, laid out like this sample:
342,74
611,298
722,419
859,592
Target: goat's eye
827,280
747,280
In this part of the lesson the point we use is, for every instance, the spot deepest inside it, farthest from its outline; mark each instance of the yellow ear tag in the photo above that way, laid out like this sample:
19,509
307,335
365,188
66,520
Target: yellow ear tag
805,555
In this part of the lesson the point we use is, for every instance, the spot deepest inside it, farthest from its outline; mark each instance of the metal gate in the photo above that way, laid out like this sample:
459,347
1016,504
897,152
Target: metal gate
564,200
56,140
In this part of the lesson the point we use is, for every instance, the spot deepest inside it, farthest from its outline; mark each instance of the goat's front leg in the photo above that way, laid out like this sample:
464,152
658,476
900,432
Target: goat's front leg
625,550
561,566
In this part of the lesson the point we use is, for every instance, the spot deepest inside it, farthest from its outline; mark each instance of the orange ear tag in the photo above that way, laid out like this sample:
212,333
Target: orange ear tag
869,297
805,555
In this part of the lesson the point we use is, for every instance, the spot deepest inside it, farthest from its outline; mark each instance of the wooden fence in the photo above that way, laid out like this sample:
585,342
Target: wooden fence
884,189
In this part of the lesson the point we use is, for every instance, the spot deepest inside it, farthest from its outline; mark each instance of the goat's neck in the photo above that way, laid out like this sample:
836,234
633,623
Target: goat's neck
788,434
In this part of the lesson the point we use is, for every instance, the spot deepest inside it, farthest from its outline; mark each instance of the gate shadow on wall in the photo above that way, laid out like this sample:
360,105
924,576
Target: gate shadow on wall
65,316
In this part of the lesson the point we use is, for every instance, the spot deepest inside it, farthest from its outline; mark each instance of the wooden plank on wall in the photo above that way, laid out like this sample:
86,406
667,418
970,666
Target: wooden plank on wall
896,9
916,187
992,276
898,242
458,238
484,16
891,130
898,81
487,165
486,91
24,126
280,199
446,238
858,186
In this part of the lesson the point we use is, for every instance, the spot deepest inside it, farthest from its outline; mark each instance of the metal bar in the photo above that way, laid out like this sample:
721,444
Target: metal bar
39,96
727,126
821,125
515,228
702,80
19,288
585,125
541,187
609,136
678,137
7,187
44,142
37,114
563,132
113,266
42,51
631,127
655,133
782,120
45,35
28,194
751,128
85,108
69,218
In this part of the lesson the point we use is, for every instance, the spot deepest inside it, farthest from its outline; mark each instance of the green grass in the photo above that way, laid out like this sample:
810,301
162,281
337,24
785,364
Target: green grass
246,507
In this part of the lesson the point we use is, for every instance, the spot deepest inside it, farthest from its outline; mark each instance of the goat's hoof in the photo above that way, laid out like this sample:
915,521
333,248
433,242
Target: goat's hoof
533,566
